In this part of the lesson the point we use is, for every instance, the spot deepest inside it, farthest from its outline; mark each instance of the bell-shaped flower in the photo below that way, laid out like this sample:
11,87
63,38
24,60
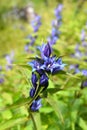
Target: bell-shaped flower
36,104
36,65
44,80
45,50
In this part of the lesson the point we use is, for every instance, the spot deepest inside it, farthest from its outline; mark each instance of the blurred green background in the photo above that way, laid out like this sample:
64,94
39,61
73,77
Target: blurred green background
65,108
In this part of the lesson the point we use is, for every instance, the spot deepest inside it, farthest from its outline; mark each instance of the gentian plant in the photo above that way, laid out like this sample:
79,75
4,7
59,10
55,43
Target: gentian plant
35,23
41,68
56,23
81,55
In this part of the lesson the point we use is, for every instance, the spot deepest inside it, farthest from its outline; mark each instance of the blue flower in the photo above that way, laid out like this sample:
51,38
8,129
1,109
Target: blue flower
84,72
36,65
58,11
36,23
42,66
36,104
52,65
75,68
44,80
55,23
54,32
52,40
59,66
45,50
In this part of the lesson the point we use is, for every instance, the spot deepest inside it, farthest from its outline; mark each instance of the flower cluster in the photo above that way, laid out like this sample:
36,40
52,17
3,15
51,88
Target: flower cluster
36,23
55,25
82,55
41,68
30,43
9,61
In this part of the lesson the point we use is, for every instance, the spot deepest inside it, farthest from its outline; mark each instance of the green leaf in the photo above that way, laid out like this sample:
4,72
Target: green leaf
54,105
82,124
62,72
36,120
46,109
24,66
22,101
13,122
18,104
53,90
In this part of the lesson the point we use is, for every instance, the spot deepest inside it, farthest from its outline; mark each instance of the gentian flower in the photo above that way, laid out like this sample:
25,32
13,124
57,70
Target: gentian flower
36,23
52,40
36,65
45,50
80,55
58,11
84,72
30,43
36,104
55,32
55,26
51,65
75,68
44,80
46,63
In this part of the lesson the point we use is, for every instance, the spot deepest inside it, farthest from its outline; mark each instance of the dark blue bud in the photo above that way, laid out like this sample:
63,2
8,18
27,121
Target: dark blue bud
47,50
34,80
44,80
32,92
